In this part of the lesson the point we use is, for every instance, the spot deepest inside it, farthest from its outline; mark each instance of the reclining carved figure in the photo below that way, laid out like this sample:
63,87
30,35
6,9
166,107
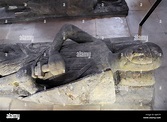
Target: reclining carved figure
73,54
56,7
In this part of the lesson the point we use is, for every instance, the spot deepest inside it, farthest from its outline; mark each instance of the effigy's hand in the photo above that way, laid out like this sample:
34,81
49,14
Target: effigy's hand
56,63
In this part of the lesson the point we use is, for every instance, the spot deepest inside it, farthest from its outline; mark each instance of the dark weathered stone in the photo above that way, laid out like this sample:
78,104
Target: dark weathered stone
12,2
38,66
39,9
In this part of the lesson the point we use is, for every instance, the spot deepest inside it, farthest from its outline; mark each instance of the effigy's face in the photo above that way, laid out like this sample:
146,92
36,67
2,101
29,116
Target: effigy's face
144,57
139,55
10,59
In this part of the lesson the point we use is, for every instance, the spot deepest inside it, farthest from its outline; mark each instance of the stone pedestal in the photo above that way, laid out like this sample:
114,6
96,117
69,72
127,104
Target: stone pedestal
96,89
133,98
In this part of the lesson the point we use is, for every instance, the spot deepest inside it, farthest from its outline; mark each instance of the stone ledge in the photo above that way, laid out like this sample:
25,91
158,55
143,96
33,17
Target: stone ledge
22,105
15,104
76,107
96,89
8,103
5,103
125,106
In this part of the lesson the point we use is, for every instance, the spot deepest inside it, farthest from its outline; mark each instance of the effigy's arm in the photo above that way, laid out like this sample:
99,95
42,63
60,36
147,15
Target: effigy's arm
56,63
65,78
72,32
118,44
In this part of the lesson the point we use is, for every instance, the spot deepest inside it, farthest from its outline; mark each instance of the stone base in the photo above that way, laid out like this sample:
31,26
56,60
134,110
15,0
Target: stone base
134,98
97,89
101,96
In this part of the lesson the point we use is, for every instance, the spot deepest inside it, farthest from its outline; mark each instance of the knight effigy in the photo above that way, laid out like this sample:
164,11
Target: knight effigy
31,68
28,10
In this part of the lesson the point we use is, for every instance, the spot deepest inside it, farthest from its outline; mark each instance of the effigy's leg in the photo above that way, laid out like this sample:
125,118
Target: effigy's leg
56,63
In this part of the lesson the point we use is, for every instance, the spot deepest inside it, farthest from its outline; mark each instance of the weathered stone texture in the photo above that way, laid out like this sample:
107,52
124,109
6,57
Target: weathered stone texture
97,89
130,97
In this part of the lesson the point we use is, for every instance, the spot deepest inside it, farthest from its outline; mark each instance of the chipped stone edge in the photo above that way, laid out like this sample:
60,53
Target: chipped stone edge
11,104
55,107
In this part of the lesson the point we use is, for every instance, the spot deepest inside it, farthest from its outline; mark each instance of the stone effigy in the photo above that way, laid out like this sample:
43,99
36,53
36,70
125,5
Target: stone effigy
26,10
77,68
